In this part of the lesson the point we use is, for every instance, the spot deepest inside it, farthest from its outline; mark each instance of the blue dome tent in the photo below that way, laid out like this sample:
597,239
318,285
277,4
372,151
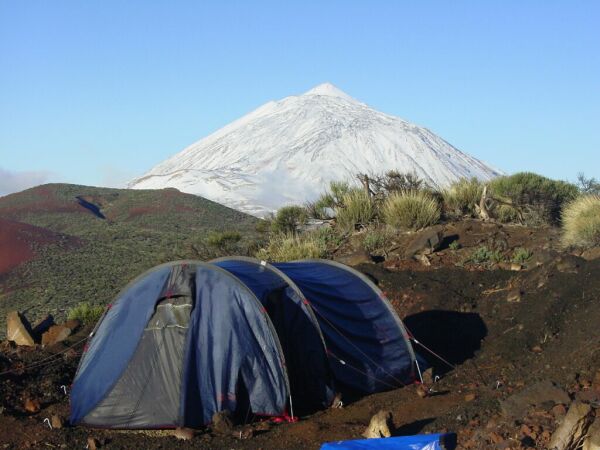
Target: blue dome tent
188,339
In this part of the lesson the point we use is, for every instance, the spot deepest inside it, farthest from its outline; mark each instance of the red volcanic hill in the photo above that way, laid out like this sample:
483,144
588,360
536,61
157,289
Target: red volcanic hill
73,209
18,242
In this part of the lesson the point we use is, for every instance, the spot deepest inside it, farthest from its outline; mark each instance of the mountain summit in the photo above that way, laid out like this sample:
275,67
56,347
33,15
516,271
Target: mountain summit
287,152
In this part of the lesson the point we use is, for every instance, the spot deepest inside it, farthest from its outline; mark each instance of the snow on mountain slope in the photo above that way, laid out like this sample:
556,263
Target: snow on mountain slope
287,152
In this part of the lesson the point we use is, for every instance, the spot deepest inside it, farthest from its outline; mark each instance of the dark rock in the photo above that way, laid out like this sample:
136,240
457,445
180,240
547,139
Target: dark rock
42,326
425,242
516,405
354,258
569,264
222,423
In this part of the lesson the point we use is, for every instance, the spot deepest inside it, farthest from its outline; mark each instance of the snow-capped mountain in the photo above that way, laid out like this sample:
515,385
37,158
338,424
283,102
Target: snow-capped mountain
287,152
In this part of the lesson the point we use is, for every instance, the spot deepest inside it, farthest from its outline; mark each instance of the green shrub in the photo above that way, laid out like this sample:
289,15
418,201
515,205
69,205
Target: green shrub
506,214
328,237
462,197
223,240
395,181
356,209
411,210
263,225
288,219
521,255
291,247
454,245
86,313
376,239
483,254
581,222
534,197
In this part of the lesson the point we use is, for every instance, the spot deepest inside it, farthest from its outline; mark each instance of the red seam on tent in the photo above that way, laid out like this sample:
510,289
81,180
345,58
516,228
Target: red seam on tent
306,302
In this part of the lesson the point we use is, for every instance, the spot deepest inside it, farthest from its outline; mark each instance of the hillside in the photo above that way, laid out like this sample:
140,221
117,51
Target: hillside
287,152
523,343
64,244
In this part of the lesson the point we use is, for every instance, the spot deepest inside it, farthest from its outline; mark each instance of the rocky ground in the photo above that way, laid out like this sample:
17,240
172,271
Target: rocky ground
522,340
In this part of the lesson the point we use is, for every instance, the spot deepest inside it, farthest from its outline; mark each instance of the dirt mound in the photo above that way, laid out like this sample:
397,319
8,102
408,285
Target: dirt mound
19,242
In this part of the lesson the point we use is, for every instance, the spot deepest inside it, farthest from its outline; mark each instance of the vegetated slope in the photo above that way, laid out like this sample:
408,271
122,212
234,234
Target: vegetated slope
288,151
74,208
119,233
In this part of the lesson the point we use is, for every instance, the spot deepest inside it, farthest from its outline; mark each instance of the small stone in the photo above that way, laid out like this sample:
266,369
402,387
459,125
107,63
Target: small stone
428,376
56,421
244,433
470,397
262,426
18,329
31,405
514,296
422,391
92,443
185,434
381,425
495,437
536,349
55,334
72,324
221,423
516,267
558,410
593,253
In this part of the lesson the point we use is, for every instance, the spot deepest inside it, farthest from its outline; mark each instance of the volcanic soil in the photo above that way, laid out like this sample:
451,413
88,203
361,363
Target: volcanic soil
499,331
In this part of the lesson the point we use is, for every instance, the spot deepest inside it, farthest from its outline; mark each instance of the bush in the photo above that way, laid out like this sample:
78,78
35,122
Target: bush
395,181
484,254
411,210
356,209
291,247
521,255
581,222
223,238
534,197
86,313
376,239
588,186
288,219
454,245
462,197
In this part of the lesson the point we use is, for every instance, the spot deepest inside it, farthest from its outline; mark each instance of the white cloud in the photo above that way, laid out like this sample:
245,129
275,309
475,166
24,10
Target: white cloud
13,181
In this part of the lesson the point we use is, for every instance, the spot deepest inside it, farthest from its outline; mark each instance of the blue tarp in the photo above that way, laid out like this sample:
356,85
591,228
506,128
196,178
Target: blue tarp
419,442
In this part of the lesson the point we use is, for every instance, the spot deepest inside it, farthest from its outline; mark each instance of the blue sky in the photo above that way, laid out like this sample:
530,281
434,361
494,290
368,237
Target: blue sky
99,92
